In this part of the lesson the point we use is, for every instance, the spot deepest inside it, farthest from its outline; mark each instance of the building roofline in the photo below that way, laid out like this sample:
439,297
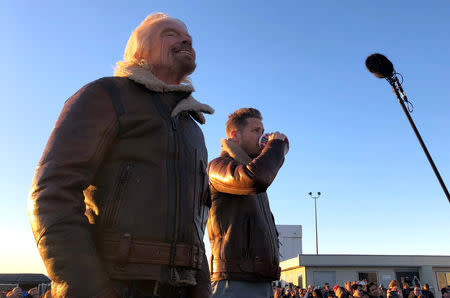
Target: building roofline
348,260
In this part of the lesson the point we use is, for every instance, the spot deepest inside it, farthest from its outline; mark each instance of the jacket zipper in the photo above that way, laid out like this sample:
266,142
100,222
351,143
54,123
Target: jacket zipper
177,195
172,235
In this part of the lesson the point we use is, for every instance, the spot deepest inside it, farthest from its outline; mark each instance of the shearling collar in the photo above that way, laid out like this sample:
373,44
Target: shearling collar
235,151
142,75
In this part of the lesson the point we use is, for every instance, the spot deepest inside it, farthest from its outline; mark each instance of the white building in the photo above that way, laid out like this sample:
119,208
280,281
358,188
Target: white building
303,270
381,269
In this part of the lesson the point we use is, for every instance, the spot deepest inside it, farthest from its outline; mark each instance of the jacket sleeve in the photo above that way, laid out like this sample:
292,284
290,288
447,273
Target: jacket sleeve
228,176
82,134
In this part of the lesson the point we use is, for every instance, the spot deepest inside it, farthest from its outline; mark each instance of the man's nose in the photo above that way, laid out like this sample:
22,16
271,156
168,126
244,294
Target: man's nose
187,40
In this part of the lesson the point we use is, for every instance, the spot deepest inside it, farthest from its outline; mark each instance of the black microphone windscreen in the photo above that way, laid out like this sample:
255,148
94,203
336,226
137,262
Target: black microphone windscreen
379,65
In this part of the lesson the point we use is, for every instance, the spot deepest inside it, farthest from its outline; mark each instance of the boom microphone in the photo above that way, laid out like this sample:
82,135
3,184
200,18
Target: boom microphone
380,66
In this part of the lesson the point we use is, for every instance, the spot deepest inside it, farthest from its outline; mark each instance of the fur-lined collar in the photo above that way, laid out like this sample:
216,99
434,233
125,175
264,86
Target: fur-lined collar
235,151
142,75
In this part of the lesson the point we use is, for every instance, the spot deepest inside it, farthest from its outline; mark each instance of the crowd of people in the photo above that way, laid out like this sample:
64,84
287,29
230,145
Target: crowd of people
18,292
359,289
355,289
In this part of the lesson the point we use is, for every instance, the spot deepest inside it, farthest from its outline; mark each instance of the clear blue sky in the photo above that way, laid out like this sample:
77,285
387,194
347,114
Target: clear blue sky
301,63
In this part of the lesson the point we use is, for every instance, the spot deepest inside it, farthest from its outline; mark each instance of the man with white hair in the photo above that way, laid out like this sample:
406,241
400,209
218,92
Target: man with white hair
119,200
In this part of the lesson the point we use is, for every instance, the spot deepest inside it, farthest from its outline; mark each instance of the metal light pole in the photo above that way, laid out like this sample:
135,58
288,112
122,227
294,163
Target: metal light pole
315,210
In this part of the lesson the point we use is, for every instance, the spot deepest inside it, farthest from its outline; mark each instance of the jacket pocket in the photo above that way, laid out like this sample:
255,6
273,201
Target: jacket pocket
112,204
248,238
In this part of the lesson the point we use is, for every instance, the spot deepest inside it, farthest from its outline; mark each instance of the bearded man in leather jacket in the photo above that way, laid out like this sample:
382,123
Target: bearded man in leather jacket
119,200
241,227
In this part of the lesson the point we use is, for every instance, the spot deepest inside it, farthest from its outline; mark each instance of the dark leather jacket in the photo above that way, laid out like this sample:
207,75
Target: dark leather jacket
241,227
121,191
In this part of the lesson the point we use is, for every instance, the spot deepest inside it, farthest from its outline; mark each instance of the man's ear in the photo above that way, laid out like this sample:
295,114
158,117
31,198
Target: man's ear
234,136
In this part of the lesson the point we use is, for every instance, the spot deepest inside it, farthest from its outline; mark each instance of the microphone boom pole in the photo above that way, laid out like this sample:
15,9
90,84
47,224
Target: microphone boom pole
381,67
395,85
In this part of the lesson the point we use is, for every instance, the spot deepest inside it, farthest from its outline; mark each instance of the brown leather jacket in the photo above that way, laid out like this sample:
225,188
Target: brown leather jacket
241,227
121,192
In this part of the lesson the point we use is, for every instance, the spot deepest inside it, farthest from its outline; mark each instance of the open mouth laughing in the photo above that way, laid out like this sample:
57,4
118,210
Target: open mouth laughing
185,51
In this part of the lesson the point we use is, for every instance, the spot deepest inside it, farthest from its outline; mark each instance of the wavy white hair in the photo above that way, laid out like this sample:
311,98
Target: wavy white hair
139,42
